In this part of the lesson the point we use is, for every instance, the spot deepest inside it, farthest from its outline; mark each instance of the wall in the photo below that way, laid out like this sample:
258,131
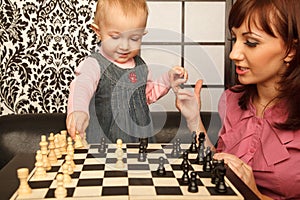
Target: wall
42,41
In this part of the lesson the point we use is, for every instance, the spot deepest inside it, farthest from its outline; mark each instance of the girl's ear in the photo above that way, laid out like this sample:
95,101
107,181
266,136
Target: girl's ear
145,32
96,29
290,56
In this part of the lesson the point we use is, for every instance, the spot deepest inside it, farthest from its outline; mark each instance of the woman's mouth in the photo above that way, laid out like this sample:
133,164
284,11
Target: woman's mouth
241,70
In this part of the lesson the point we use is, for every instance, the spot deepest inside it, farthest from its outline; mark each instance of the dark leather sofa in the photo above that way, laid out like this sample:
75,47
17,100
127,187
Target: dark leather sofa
22,133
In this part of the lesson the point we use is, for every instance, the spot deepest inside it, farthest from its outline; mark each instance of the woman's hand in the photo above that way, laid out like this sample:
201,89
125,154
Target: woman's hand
189,104
242,170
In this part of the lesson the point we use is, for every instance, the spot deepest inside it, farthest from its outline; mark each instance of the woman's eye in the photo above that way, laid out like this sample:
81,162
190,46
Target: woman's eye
251,44
232,39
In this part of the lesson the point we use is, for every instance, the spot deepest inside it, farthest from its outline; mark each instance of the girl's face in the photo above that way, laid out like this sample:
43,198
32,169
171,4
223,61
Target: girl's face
259,57
121,35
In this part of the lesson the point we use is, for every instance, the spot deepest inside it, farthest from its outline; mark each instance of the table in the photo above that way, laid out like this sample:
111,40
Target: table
9,181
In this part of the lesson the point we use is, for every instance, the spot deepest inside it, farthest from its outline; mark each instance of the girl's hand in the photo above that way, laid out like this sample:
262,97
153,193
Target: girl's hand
177,75
77,122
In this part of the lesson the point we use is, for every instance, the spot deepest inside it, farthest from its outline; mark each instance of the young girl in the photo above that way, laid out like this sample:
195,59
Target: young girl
113,86
260,136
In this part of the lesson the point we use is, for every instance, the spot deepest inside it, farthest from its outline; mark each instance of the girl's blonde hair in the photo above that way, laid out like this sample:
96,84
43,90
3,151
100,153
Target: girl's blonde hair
129,7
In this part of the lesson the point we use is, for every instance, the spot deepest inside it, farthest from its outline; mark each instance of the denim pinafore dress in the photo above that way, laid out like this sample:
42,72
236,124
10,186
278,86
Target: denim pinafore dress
119,105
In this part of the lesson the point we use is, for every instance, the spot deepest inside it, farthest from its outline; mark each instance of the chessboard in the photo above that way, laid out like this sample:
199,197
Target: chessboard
96,176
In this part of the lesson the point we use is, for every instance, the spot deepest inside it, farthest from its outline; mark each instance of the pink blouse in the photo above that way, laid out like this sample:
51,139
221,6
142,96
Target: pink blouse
273,154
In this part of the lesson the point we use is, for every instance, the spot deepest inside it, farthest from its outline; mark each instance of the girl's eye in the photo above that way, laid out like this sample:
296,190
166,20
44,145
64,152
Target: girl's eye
135,39
251,44
115,37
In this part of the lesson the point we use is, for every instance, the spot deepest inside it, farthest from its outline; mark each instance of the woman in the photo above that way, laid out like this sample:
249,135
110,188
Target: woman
260,136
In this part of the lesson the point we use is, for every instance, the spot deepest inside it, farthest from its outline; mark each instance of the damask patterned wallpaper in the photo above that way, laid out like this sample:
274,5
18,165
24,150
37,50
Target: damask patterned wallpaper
41,42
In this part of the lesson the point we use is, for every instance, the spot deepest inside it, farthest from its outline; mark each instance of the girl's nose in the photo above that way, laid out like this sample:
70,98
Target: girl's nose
124,44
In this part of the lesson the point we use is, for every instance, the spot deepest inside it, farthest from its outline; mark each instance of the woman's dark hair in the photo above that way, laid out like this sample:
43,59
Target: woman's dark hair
283,18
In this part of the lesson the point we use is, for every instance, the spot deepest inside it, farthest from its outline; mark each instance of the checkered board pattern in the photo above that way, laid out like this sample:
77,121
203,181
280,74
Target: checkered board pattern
96,176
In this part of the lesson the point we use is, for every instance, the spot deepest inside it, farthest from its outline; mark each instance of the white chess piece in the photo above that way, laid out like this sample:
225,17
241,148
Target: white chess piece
40,171
119,154
24,188
52,156
67,177
57,146
60,191
78,141
44,149
68,162
63,141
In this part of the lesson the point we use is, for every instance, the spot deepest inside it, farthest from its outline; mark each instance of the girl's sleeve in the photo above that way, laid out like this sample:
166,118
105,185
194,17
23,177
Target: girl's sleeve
155,89
83,87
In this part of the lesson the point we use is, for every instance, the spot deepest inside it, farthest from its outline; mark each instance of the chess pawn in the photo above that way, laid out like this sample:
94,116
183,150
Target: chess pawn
207,166
175,152
185,176
142,153
71,154
102,145
57,146
78,141
193,147
68,162
60,191
67,177
178,141
70,147
40,171
44,149
161,171
84,142
185,160
52,156
24,188
119,163
119,154
63,141
193,187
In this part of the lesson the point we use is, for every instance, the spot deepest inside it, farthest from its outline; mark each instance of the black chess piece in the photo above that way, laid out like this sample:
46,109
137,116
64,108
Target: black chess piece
185,160
175,152
144,142
201,137
185,176
142,154
193,187
102,146
161,171
178,141
207,166
201,155
193,147
219,163
221,186
213,171
220,173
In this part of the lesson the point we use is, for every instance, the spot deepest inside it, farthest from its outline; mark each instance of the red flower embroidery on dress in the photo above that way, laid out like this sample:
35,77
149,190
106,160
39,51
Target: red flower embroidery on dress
132,77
